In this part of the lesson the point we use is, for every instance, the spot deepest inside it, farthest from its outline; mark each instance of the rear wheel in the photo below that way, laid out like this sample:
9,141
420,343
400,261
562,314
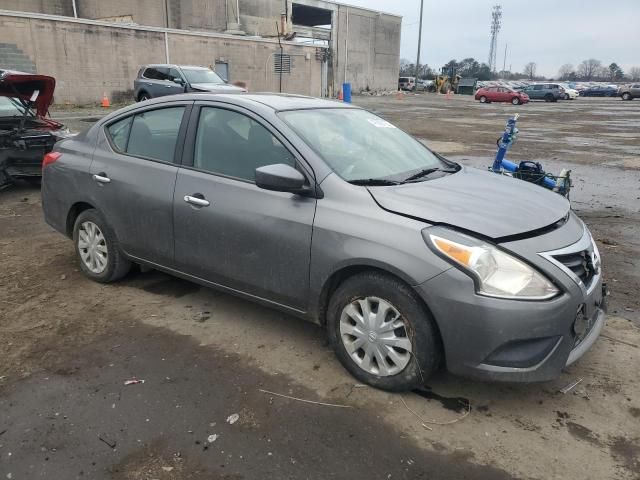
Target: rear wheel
627,96
515,101
97,248
548,98
483,99
143,96
382,333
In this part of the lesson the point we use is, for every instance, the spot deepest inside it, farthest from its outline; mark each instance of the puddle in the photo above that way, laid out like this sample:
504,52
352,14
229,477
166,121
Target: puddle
455,404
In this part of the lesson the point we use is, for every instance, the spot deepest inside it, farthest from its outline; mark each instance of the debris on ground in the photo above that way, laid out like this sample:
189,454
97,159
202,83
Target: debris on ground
110,444
424,421
133,381
303,400
231,419
570,386
212,438
167,469
202,317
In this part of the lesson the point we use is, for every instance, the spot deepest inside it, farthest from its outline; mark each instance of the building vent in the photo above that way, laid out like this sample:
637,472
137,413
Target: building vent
281,63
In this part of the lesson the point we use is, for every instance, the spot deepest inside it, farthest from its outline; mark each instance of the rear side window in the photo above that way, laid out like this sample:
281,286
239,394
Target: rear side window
537,87
152,134
156,73
119,133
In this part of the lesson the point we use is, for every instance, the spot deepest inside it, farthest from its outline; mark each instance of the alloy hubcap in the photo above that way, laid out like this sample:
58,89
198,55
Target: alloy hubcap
92,247
375,336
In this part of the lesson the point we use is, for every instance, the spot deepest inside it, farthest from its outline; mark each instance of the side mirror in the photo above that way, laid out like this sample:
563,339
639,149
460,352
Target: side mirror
178,80
280,178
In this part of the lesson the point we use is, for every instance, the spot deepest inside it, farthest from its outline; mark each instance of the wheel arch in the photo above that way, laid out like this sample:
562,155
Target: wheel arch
340,275
73,213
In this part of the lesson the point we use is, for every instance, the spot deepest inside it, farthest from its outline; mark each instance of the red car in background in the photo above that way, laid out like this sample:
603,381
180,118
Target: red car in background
501,94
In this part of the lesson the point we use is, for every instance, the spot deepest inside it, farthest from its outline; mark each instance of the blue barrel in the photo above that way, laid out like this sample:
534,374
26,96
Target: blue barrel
346,92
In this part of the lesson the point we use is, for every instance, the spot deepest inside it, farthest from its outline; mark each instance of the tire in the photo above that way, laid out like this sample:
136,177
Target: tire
142,96
627,96
483,99
566,96
515,101
115,264
416,330
549,98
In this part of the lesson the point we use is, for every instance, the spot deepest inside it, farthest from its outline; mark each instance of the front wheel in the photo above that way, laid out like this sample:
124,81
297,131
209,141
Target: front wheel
143,97
515,101
97,248
483,99
627,96
382,333
566,96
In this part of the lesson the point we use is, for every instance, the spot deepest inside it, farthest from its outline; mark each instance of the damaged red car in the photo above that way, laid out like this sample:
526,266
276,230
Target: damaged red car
26,134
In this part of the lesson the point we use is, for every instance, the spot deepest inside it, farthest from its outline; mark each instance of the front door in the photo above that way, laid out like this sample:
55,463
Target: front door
134,176
227,230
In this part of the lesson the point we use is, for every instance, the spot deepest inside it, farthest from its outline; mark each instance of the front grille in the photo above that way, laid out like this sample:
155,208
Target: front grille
581,264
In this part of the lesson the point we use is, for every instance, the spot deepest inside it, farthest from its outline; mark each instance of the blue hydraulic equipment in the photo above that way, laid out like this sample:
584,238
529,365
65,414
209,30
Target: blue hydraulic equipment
527,170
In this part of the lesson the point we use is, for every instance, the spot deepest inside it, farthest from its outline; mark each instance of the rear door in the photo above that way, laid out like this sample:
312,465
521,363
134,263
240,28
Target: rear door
134,174
227,230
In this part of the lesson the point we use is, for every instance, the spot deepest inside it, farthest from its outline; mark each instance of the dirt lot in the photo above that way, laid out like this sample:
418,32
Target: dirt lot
67,345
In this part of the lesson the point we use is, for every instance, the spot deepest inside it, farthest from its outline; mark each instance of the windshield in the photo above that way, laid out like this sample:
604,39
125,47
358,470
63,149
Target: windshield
200,75
358,145
11,107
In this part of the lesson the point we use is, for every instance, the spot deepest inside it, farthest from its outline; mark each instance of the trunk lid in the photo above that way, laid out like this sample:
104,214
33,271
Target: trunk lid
23,85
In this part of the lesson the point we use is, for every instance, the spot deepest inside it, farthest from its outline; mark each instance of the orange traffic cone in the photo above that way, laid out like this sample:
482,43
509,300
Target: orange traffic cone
340,96
105,101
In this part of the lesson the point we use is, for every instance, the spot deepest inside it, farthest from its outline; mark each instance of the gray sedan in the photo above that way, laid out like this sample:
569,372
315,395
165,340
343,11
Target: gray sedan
331,213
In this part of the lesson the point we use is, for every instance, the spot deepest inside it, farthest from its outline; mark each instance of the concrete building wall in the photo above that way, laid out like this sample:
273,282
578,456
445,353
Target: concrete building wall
89,59
142,12
52,7
368,44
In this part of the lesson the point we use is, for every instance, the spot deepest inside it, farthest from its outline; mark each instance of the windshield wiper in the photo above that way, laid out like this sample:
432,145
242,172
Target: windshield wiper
426,172
373,182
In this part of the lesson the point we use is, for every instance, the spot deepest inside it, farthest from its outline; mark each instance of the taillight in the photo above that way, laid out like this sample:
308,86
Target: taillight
50,157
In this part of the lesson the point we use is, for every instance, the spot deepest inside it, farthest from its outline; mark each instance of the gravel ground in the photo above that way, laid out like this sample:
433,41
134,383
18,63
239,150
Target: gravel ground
67,345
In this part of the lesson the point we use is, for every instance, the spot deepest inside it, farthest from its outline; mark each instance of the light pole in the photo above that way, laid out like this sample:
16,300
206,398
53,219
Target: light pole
419,40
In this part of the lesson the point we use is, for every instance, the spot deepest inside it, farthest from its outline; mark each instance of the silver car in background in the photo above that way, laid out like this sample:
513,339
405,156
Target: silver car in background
328,212
159,80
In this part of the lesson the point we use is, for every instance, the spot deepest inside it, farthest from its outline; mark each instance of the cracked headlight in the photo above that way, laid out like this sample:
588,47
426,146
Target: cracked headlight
496,273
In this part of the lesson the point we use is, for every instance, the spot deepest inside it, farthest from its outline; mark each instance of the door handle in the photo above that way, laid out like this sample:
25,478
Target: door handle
101,178
198,202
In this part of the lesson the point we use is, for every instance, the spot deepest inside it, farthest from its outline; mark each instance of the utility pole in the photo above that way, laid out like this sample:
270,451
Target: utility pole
504,65
419,40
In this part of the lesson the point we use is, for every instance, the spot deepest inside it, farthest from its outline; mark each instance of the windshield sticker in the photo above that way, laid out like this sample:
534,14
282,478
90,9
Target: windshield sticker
34,95
380,123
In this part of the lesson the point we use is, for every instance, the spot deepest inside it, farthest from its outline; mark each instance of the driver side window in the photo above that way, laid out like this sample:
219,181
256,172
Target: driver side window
231,144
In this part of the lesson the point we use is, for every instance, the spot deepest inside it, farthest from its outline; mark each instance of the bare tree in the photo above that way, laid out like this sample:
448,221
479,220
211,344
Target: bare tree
530,70
566,72
602,73
634,74
589,68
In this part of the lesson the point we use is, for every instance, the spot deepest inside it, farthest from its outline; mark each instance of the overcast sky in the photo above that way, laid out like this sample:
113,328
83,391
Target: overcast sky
548,32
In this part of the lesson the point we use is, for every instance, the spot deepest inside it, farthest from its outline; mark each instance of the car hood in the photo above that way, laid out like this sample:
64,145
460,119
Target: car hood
486,203
217,87
22,85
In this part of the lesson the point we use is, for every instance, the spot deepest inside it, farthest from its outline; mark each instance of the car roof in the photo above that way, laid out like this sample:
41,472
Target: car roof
198,67
274,101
